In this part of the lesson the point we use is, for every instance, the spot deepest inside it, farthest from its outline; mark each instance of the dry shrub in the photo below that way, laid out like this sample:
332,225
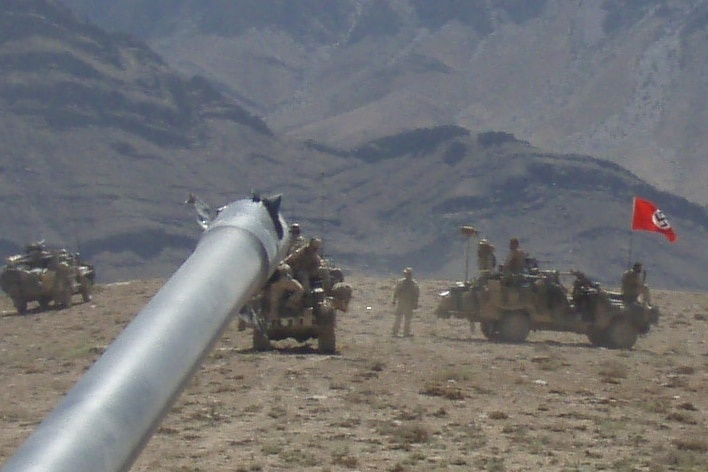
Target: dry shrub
298,456
692,443
656,405
689,454
613,371
343,456
685,370
348,461
406,433
457,374
547,362
449,392
498,415
681,418
278,411
413,433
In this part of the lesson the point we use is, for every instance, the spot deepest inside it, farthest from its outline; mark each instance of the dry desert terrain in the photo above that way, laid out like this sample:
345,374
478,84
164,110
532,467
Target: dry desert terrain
445,399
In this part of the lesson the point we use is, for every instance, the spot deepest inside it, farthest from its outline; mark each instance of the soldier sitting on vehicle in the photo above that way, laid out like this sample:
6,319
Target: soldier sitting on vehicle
486,260
297,240
280,284
512,268
633,285
515,262
308,266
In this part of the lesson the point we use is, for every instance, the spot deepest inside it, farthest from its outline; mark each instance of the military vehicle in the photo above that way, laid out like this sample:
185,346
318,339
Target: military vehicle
47,276
310,316
313,316
538,300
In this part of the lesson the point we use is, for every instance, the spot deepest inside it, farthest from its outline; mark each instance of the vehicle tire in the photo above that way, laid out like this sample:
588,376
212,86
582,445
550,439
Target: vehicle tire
597,337
86,289
621,334
44,302
20,305
260,341
514,327
327,339
489,330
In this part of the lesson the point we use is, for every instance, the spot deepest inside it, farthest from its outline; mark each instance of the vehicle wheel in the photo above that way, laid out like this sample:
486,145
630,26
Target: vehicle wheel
621,334
327,339
20,305
597,337
489,330
514,327
260,340
86,289
44,302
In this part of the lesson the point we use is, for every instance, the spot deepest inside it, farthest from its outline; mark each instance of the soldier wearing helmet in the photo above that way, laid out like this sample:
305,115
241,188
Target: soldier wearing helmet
486,260
279,285
515,261
633,285
405,297
307,265
297,240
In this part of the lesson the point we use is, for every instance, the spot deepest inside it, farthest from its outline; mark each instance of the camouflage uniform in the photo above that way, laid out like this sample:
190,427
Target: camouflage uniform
297,240
280,283
633,285
516,260
486,260
307,265
406,294
512,269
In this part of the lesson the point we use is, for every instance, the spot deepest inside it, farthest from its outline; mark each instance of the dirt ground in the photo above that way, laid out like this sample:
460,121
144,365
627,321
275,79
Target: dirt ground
445,399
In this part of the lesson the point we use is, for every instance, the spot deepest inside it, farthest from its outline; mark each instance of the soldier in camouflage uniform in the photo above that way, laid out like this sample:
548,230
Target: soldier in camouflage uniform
280,284
633,285
308,266
515,261
405,297
297,240
486,260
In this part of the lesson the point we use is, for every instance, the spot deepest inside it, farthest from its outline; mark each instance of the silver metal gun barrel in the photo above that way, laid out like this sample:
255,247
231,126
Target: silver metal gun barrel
110,414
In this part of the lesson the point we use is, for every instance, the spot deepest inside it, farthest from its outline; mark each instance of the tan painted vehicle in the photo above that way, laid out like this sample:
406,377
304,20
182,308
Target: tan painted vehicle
300,314
537,300
50,277
311,316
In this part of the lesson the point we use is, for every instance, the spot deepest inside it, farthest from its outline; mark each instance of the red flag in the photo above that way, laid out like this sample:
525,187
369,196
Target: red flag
647,217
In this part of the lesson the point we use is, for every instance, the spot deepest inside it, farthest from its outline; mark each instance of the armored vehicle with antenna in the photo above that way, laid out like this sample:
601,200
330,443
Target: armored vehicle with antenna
547,300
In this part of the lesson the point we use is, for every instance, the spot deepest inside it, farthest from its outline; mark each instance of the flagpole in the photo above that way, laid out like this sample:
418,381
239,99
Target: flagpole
631,233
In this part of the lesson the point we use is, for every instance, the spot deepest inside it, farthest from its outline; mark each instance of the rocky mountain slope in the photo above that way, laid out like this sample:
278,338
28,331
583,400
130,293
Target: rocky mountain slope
103,141
620,80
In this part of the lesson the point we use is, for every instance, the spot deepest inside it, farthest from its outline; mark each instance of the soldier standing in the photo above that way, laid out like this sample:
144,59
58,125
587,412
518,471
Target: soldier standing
633,285
486,260
516,260
406,295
